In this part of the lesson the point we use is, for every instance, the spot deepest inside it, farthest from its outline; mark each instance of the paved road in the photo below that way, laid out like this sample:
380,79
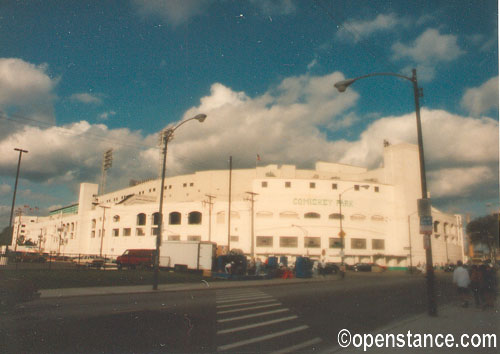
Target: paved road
300,317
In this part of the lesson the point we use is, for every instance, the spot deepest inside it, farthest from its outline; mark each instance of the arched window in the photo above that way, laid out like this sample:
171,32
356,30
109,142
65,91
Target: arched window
155,218
436,226
174,218
312,216
336,216
377,218
141,219
116,218
264,214
358,217
289,215
445,228
194,218
93,223
221,216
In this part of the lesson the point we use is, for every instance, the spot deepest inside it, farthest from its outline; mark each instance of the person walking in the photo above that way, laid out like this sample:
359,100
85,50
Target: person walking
462,279
489,285
476,284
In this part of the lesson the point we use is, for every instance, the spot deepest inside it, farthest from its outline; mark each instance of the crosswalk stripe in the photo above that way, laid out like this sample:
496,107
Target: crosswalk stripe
244,303
299,346
239,296
251,315
261,338
249,308
255,325
244,298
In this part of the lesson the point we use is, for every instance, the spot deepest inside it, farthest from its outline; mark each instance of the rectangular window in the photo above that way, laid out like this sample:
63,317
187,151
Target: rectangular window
376,189
264,241
334,185
288,184
127,231
264,184
191,184
140,232
235,238
174,237
378,244
116,232
312,185
358,243
312,242
288,241
154,231
356,187
196,238
335,242
184,185
92,234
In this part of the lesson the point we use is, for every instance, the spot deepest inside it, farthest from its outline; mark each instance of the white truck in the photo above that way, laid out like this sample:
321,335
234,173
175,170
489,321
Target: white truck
187,254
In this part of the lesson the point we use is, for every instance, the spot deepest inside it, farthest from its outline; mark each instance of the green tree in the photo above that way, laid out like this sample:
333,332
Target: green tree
6,236
485,230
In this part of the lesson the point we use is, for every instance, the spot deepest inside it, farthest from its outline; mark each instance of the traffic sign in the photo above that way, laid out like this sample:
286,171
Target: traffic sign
426,224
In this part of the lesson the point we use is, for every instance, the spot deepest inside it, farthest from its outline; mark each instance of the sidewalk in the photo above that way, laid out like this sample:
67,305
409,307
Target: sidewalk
203,285
452,319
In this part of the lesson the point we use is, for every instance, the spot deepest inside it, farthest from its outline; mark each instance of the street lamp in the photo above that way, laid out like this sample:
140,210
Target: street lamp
424,203
167,135
342,233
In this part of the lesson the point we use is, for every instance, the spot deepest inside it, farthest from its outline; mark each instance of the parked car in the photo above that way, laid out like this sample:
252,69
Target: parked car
89,261
133,258
330,268
362,267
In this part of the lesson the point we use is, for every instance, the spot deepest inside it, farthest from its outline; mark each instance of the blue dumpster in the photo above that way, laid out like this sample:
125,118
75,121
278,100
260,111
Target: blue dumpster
303,267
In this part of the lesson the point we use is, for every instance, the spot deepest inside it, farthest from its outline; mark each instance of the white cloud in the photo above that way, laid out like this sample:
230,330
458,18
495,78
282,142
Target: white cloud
360,29
85,98
429,49
22,82
174,12
106,115
447,182
479,100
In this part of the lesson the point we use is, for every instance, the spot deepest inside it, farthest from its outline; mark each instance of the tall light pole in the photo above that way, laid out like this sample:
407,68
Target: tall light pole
341,232
102,226
15,190
167,135
424,205
252,226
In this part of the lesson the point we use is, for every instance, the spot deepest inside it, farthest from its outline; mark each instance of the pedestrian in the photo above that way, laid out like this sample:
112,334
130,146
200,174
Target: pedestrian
489,285
476,284
342,269
462,279
258,266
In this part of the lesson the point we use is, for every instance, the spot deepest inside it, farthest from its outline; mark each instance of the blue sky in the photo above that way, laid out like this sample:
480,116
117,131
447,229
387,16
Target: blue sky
78,77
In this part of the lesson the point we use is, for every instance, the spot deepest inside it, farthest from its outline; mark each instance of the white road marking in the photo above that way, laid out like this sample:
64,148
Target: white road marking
244,298
252,315
255,325
250,308
244,303
299,346
261,338
229,297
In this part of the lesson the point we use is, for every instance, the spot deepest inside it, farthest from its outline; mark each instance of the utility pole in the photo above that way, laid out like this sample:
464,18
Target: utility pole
15,190
102,226
210,204
229,206
252,244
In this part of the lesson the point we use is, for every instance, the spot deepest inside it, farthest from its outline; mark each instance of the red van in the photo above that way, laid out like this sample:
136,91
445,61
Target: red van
133,258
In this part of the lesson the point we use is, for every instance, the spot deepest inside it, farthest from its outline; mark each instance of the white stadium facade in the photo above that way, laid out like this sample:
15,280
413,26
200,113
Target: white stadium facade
295,213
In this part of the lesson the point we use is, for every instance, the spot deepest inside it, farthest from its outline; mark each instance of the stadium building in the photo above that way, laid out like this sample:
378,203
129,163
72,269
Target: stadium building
274,210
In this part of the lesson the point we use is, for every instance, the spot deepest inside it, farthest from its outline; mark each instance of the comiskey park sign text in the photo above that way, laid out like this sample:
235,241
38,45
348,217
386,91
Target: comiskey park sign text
321,202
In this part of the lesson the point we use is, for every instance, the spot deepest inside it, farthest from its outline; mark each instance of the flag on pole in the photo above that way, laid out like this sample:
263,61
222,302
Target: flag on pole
258,157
